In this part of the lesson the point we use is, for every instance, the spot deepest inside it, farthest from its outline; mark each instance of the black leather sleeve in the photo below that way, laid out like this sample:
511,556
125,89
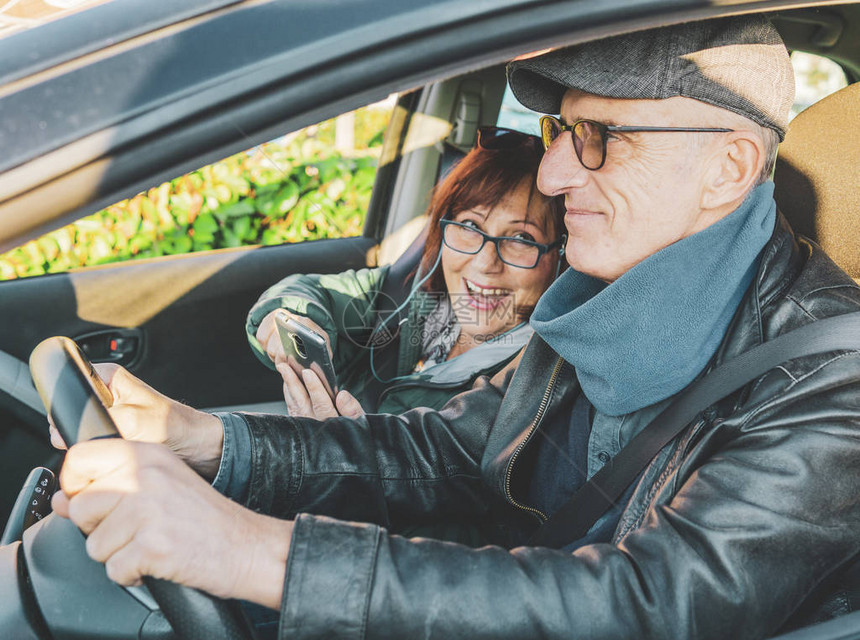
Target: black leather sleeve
384,469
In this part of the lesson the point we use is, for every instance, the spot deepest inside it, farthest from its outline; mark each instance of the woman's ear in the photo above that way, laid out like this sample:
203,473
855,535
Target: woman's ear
735,167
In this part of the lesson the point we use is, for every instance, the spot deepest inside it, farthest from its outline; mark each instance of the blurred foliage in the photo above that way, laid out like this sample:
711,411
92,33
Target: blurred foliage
293,189
815,77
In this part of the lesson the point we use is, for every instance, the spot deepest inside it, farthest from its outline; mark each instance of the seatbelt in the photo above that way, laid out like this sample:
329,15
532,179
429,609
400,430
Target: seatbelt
573,520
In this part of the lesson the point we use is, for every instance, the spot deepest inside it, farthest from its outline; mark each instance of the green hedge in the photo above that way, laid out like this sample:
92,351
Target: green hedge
289,190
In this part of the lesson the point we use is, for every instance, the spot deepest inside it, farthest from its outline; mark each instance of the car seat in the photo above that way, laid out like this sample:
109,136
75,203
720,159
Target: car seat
817,180
817,176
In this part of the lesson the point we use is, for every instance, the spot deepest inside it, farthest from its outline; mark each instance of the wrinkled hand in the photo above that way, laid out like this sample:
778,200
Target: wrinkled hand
142,413
306,397
146,513
270,339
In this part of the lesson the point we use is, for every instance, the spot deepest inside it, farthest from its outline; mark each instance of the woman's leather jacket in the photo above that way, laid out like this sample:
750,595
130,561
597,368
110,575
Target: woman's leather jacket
744,525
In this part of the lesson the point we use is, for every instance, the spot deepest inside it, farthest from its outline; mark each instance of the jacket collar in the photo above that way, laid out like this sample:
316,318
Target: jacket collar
544,378
781,261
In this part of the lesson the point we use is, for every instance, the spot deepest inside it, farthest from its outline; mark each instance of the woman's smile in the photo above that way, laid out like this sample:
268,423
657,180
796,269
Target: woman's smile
484,297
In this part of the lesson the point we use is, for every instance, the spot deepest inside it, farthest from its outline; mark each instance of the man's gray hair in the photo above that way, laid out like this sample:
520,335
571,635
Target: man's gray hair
771,146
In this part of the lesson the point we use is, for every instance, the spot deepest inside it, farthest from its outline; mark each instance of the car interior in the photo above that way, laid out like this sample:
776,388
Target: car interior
183,316
186,313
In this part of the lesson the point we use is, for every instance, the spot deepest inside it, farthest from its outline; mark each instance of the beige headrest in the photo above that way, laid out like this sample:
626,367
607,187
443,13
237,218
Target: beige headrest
818,176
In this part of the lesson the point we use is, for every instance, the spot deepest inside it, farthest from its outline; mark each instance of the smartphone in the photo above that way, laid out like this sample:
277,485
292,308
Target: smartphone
306,349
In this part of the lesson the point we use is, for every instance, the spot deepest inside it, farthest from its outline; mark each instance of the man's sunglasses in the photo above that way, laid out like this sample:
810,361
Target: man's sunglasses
501,138
589,137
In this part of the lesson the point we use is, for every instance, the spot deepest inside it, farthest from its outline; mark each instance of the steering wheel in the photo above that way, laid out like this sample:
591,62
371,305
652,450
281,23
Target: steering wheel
76,399
19,397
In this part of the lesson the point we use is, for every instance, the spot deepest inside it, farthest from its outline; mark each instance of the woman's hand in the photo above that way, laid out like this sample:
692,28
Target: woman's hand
146,513
142,413
270,339
306,397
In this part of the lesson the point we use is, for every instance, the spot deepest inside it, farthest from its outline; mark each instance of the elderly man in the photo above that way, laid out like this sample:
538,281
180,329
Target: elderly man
662,151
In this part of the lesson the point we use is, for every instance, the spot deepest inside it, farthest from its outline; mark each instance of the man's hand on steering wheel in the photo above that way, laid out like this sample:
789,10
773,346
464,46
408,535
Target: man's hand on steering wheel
141,413
147,513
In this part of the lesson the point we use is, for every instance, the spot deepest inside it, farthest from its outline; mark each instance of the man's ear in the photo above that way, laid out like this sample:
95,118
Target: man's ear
735,166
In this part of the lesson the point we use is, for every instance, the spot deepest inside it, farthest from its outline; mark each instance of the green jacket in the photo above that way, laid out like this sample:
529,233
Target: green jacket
345,305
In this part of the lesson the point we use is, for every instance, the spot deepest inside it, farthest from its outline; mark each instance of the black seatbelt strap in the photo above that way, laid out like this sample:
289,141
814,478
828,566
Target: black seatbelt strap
573,520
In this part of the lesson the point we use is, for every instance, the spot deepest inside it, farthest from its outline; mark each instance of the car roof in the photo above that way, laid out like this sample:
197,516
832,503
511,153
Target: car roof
109,101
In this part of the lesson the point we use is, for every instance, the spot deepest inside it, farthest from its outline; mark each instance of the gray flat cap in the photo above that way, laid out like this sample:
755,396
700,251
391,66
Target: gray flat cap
739,64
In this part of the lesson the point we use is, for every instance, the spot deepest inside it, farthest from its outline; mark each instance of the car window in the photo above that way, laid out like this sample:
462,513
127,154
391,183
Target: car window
815,77
513,115
310,184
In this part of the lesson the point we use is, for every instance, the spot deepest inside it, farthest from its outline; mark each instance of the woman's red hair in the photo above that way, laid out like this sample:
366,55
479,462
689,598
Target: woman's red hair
482,178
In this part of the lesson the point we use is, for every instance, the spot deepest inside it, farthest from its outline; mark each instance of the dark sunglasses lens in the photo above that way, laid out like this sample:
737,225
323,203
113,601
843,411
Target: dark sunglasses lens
588,142
493,138
550,129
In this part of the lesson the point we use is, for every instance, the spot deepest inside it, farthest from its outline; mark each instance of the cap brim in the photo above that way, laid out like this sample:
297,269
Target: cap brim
535,90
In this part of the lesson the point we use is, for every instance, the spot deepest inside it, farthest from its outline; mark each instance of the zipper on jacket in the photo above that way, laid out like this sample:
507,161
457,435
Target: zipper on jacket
532,428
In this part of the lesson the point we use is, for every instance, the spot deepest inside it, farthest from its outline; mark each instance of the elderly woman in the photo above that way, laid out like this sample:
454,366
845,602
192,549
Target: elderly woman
494,246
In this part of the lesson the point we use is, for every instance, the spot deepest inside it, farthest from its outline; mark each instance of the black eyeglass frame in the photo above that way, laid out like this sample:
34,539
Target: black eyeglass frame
606,128
542,248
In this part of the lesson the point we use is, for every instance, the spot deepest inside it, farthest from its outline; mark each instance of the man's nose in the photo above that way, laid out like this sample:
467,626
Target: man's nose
560,169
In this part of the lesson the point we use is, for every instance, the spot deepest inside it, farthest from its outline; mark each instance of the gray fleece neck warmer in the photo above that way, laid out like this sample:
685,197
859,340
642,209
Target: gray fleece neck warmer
647,335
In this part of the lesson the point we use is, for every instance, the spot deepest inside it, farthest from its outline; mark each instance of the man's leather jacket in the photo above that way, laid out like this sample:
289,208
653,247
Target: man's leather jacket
740,527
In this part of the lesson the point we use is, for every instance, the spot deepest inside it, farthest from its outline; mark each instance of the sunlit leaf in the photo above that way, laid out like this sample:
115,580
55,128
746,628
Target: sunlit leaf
100,250
225,194
49,247
7,270
176,244
287,198
241,208
272,236
204,224
139,244
230,239
241,228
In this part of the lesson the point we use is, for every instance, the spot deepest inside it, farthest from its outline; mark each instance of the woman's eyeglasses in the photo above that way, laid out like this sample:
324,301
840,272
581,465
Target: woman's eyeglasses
516,252
501,138
589,137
